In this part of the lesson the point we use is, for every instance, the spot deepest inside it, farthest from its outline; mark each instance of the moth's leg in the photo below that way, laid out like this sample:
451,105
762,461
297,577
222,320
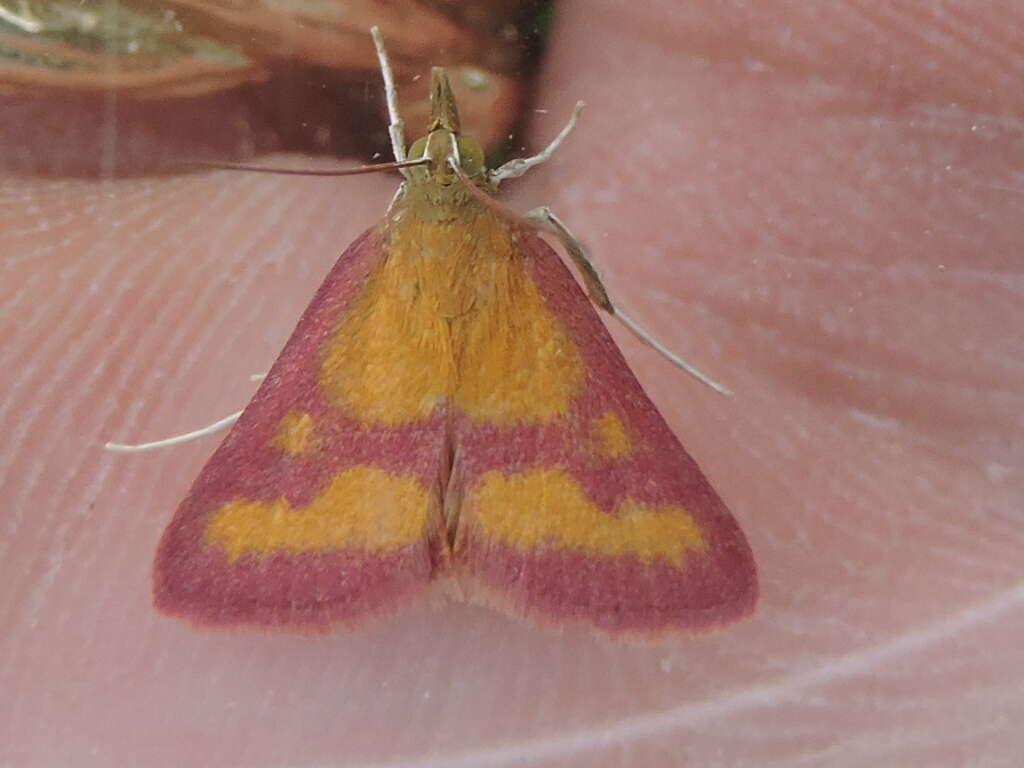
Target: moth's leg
396,128
545,219
515,168
209,429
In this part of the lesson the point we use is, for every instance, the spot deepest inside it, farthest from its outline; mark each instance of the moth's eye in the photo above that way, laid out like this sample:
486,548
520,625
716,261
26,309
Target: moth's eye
472,156
417,148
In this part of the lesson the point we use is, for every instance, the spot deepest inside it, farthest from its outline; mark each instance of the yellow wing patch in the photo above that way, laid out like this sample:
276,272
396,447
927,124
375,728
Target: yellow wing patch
294,434
363,507
610,436
451,315
548,508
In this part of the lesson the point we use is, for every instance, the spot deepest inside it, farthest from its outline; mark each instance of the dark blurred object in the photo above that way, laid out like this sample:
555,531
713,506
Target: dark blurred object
125,87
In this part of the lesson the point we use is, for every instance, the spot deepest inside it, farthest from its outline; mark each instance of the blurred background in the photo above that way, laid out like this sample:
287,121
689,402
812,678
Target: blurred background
128,87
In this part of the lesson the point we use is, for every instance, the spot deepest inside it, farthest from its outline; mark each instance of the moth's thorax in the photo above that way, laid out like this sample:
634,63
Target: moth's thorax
430,200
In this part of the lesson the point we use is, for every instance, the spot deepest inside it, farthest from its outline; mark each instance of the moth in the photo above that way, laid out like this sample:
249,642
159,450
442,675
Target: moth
450,410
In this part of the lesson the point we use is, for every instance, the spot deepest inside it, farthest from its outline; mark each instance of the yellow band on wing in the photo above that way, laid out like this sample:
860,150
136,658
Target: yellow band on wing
362,507
548,508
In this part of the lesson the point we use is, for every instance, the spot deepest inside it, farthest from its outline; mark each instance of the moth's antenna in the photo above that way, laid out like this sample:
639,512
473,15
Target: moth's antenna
396,128
300,172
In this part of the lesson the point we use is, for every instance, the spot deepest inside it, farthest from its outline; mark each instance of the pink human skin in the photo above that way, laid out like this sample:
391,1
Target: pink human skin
819,206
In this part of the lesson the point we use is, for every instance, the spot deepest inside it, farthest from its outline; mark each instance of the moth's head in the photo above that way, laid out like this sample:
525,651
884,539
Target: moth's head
443,144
